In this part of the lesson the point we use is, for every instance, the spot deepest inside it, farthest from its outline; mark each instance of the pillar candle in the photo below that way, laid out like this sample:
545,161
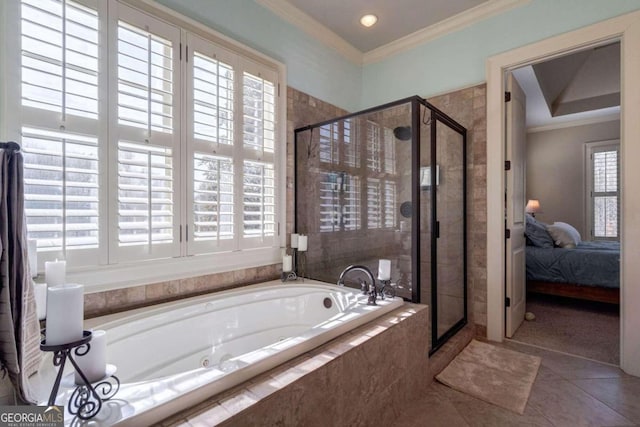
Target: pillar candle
32,245
294,240
384,269
55,272
65,314
94,363
302,243
40,291
287,263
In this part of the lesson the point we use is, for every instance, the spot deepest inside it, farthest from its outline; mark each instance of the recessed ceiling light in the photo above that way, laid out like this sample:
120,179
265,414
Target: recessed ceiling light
368,20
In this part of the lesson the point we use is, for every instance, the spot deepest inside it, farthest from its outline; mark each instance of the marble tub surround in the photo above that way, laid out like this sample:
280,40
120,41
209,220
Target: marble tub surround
365,377
118,300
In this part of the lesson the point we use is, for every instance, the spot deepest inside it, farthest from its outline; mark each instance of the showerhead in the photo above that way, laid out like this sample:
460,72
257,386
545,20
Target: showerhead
403,133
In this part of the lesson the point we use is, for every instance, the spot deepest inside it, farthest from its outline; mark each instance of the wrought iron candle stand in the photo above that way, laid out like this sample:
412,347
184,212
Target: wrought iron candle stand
303,264
291,275
86,400
387,289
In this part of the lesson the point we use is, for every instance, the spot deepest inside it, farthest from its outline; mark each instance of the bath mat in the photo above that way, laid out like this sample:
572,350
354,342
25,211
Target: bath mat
493,374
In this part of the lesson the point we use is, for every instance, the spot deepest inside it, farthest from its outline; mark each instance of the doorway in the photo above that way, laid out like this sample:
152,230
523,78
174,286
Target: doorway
572,285
625,28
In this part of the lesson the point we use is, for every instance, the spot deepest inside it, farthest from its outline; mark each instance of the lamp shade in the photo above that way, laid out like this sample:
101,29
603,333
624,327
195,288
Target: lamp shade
533,206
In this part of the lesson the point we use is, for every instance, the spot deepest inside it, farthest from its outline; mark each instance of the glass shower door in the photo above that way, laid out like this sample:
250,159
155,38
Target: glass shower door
448,300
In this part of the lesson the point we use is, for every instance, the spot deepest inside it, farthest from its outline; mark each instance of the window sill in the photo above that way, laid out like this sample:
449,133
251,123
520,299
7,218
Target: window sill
100,279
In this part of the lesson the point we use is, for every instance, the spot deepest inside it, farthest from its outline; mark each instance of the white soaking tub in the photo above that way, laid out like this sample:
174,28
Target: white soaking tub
171,357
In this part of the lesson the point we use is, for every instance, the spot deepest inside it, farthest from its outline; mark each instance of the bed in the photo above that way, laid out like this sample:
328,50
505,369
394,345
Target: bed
566,266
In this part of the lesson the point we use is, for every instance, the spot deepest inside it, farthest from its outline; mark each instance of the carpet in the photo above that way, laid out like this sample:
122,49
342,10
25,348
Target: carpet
496,375
584,328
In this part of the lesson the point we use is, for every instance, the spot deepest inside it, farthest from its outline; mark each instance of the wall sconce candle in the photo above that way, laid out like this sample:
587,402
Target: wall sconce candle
65,314
294,240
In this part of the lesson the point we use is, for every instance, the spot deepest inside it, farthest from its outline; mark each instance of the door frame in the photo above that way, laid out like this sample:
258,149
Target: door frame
626,29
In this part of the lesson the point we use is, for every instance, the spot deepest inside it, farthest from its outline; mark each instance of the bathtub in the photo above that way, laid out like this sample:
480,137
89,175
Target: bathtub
173,356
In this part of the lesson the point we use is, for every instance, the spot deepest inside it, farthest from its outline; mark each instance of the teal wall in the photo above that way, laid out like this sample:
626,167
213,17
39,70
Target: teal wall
312,67
458,59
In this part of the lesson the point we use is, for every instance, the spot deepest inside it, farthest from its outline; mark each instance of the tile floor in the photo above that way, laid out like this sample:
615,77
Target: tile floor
568,391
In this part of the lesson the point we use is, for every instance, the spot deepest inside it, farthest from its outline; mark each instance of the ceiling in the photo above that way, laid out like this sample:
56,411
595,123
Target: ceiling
583,86
396,18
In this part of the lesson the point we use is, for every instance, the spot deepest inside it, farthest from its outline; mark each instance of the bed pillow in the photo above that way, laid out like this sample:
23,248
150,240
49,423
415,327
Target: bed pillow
537,234
564,235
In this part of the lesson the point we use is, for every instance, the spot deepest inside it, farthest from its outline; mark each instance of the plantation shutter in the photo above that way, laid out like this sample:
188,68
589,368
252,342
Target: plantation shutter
60,131
211,88
257,220
147,145
605,192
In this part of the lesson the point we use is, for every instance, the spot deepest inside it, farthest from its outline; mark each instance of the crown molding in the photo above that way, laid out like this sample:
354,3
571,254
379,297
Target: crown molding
306,23
295,16
582,122
457,22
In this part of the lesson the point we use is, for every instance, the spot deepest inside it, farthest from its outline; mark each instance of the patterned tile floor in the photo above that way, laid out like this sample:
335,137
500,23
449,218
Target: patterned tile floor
568,391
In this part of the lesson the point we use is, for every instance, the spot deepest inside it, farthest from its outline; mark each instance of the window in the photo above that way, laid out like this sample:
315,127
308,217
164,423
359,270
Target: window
603,175
141,139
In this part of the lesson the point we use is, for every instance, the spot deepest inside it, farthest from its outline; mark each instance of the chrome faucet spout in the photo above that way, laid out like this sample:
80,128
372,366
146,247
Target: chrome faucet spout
369,288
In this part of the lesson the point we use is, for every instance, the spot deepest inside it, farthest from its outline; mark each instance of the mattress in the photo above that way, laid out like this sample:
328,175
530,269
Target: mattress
589,264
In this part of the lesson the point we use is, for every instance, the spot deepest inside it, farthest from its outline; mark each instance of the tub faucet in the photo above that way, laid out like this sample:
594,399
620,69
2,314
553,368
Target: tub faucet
369,289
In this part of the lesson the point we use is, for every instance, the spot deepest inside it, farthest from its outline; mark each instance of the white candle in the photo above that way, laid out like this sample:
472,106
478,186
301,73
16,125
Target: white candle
94,363
65,314
287,263
55,272
32,245
302,243
294,240
384,269
40,291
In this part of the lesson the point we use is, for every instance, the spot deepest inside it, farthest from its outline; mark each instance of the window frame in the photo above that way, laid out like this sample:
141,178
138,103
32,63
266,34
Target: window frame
108,274
589,149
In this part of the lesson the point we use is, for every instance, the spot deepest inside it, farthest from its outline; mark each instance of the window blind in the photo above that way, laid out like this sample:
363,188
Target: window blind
605,193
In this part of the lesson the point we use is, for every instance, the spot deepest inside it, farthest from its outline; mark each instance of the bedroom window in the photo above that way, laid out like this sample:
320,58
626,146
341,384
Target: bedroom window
603,176
142,140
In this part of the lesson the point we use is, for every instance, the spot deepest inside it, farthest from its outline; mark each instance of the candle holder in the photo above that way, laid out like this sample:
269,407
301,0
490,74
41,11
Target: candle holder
291,275
86,400
288,276
387,289
303,264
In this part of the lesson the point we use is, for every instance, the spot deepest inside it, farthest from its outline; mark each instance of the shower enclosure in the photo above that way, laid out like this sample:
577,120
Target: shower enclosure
388,183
